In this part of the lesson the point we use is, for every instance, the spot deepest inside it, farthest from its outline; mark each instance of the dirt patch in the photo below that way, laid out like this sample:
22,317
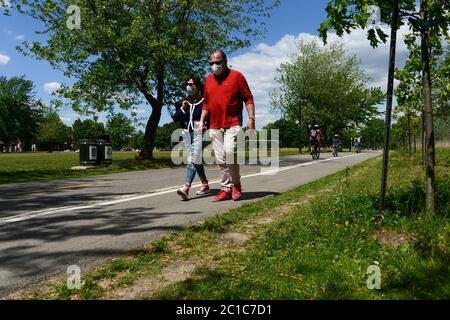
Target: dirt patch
232,238
264,220
176,272
388,238
284,209
179,271
105,283
175,247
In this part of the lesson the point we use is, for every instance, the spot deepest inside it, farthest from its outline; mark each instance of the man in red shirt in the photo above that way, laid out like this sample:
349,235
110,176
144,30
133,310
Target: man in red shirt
224,93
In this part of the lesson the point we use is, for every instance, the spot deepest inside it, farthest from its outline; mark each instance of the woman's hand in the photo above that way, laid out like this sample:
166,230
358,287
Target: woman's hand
185,105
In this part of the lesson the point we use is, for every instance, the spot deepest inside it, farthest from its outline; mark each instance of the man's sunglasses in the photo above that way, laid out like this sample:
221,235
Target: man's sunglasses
214,62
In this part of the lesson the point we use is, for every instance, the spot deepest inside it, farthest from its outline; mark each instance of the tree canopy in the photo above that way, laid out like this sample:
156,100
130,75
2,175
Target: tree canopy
53,132
325,86
20,113
120,129
87,129
126,51
430,19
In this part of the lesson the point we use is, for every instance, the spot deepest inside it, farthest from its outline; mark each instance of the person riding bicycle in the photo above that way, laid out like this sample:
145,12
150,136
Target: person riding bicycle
358,145
336,143
315,135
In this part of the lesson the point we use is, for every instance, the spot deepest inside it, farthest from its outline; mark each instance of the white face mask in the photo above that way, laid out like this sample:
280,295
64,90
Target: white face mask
190,90
216,69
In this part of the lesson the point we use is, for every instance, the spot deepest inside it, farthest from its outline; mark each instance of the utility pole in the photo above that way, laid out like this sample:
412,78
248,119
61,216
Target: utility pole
390,91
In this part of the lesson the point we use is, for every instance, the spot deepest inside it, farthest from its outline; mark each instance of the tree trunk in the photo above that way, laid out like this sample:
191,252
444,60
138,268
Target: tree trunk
150,134
422,136
415,150
409,133
153,122
428,108
390,91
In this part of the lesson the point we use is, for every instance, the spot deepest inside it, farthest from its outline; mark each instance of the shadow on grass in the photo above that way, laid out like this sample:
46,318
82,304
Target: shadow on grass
410,201
427,281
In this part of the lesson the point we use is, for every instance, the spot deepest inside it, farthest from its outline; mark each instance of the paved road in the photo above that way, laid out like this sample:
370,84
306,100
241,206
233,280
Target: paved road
47,226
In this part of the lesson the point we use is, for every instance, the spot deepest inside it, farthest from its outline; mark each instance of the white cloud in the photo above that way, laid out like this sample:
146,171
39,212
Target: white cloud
139,111
19,37
4,59
260,64
51,87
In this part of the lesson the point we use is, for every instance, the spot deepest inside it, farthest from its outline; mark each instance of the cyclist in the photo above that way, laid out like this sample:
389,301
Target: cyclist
336,142
358,145
315,135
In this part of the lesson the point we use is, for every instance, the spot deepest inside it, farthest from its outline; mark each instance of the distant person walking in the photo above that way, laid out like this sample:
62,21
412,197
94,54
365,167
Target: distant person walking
224,93
18,147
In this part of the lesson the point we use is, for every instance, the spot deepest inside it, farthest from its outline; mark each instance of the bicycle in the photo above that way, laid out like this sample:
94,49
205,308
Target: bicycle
335,150
315,152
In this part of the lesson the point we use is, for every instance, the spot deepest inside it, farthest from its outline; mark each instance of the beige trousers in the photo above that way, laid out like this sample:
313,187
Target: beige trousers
224,146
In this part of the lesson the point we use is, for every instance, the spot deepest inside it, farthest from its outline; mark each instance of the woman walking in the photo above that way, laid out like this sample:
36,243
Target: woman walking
188,112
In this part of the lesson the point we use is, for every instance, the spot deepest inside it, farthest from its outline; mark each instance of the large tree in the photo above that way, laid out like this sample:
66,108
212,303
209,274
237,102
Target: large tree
52,133
325,86
129,50
164,135
87,129
431,16
120,129
373,133
409,92
20,112
289,133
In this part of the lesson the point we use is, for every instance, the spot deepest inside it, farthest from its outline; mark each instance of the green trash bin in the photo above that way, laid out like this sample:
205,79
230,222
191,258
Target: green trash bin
88,152
104,152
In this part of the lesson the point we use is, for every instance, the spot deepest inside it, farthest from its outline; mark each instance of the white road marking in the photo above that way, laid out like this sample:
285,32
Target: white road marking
153,193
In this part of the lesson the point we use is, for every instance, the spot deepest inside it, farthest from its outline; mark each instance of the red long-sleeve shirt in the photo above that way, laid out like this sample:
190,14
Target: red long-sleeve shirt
224,97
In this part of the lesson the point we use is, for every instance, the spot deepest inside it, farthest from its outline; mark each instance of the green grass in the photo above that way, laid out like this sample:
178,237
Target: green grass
22,167
322,250
319,249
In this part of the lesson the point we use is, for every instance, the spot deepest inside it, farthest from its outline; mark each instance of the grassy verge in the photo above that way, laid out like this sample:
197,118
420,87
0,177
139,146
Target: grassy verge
314,242
23,167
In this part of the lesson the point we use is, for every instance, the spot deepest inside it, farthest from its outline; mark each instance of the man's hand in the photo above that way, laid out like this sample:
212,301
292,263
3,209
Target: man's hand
251,123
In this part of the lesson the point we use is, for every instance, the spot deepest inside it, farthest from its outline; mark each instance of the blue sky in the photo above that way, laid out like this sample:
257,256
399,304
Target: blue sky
293,20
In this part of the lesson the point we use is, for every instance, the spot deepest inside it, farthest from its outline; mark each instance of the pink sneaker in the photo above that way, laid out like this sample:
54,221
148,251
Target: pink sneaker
184,192
204,189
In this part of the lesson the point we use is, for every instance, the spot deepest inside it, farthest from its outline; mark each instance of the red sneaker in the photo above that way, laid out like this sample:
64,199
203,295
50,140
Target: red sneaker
236,191
222,195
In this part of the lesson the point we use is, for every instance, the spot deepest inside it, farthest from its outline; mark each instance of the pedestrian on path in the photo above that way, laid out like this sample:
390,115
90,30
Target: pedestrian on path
224,93
188,113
